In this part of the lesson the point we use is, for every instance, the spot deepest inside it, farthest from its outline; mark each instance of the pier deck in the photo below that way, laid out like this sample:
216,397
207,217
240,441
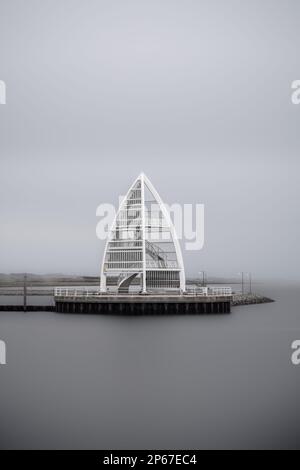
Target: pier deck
142,304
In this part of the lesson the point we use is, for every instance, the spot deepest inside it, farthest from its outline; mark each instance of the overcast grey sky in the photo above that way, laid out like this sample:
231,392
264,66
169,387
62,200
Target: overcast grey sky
197,94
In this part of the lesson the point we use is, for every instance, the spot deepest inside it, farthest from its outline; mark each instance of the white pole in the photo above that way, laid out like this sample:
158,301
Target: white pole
143,232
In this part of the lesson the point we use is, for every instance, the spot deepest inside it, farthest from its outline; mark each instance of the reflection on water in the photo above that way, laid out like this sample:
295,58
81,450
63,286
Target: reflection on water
80,381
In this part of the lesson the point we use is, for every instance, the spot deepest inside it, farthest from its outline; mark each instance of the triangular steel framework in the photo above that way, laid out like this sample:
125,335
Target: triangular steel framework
143,241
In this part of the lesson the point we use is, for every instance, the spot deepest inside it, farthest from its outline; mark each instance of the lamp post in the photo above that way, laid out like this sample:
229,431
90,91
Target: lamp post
242,274
203,277
249,276
25,293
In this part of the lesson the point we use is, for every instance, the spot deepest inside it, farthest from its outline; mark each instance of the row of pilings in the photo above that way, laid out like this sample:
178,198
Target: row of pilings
147,308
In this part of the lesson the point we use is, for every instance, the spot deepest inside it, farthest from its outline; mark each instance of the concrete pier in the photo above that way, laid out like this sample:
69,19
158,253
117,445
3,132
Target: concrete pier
144,305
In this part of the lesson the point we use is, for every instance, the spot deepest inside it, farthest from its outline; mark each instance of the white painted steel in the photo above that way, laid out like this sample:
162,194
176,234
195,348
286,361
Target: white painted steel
143,243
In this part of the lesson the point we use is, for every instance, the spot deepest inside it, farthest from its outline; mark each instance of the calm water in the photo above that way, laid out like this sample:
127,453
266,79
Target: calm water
153,382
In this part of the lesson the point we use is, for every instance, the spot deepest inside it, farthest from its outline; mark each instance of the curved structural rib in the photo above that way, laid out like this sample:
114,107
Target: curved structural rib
142,250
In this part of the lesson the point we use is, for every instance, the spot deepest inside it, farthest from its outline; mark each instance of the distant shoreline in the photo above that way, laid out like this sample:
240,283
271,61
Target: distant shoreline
48,280
43,285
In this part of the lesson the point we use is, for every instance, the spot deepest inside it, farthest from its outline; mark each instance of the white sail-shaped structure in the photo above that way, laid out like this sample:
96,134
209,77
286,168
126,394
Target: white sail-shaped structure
142,252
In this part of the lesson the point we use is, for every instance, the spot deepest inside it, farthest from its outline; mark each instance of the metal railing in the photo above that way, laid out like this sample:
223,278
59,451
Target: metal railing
209,291
224,290
95,292
76,292
168,264
197,291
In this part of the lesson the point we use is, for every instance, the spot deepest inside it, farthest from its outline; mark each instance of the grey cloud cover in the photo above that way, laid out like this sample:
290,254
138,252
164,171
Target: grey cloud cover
196,94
